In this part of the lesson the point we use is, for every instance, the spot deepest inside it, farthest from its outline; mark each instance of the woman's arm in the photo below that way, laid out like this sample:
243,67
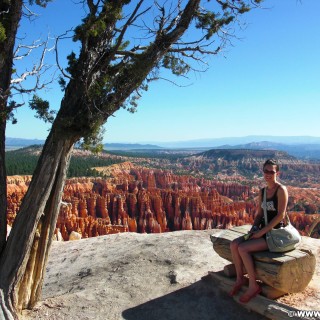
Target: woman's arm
259,214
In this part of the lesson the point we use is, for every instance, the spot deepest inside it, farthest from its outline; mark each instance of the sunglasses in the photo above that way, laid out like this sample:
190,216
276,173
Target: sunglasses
269,171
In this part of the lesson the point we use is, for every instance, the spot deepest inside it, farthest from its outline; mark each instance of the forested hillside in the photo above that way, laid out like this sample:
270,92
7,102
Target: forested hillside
23,162
234,165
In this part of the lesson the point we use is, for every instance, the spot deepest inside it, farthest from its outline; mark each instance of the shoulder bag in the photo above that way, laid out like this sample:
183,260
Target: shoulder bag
283,239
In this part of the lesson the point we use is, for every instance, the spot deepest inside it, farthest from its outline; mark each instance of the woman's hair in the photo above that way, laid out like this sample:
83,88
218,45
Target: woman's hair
273,163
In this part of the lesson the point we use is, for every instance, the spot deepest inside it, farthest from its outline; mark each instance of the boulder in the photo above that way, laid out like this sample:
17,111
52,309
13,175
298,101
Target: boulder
74,236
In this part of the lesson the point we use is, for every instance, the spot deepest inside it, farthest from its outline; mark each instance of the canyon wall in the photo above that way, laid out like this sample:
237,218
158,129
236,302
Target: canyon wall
136,199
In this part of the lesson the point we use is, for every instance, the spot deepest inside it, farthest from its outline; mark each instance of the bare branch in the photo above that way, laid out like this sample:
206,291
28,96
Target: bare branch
162,19
92,7
168,80
37,71
4,12
29,47
36,68
16,106
131,20
57,58
175,20
29,14
37,86
130,53
194,49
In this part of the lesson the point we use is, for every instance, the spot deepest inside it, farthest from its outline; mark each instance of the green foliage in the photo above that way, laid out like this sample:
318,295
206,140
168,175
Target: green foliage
42,109
238,6
99,88
96,28
82,166
93,141
148,154
131,104
10,115
211,22
72,63
41,3
23,162
2,33
177,65
123,45
20,162
62,83
93,26
80,31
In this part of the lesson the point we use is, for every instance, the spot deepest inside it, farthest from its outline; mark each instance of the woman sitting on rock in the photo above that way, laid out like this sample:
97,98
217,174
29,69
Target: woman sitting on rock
243,247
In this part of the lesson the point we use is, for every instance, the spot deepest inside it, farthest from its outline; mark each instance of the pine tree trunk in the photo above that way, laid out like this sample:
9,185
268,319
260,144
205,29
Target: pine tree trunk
10,20
3,187
23,261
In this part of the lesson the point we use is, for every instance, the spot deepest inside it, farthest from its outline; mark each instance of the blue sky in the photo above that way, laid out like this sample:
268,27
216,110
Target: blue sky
266,83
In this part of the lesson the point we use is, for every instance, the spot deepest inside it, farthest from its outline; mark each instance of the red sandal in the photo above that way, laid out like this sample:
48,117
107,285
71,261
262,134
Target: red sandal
235,289
247,297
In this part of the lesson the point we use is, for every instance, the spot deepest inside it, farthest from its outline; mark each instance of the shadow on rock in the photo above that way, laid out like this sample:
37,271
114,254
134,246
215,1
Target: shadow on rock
198,301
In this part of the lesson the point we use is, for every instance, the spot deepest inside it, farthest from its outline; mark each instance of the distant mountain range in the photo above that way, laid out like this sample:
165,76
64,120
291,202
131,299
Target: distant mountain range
20,142
303,147
248,163
14,143
302,151
245,154
129,146
235,141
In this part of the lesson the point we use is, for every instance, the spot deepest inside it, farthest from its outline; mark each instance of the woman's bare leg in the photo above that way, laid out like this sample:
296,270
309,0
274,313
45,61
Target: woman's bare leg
236,258
245,250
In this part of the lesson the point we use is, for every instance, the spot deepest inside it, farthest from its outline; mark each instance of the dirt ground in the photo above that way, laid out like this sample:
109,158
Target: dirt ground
144,276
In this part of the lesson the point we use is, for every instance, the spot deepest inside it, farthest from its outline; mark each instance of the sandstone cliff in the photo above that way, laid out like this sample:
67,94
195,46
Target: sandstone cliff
138,199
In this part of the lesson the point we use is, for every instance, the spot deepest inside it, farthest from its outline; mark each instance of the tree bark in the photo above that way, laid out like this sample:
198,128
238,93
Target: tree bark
10,21
3,187
24,258
5,313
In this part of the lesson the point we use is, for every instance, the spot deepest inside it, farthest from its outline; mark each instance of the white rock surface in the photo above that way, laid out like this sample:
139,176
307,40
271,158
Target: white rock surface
74,236
136,277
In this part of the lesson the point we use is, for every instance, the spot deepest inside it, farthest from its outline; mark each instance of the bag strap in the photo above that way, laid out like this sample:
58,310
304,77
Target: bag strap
287,218
265,206
265,209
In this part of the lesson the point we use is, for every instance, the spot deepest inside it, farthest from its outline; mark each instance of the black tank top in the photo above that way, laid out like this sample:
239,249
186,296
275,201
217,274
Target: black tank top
272,208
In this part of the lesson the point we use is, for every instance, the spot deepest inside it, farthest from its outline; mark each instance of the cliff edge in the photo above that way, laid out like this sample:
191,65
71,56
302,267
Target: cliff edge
143,276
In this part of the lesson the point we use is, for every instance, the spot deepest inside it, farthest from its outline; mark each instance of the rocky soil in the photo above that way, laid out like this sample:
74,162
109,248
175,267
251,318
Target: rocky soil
143,276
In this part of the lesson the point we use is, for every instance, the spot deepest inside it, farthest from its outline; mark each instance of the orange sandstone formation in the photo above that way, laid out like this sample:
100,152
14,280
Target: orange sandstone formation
135,199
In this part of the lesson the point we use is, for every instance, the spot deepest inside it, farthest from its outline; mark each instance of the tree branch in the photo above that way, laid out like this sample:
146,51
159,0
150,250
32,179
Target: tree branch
131,20
37,71
57,57
29,14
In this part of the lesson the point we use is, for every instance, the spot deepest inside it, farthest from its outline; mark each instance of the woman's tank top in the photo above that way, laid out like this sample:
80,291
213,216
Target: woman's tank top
272,208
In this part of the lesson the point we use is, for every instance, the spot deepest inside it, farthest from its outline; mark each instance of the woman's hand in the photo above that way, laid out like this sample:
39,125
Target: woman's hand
254,229
256,235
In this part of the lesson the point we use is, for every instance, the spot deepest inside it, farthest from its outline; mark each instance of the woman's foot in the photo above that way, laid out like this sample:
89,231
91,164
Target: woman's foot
250,293
236,288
